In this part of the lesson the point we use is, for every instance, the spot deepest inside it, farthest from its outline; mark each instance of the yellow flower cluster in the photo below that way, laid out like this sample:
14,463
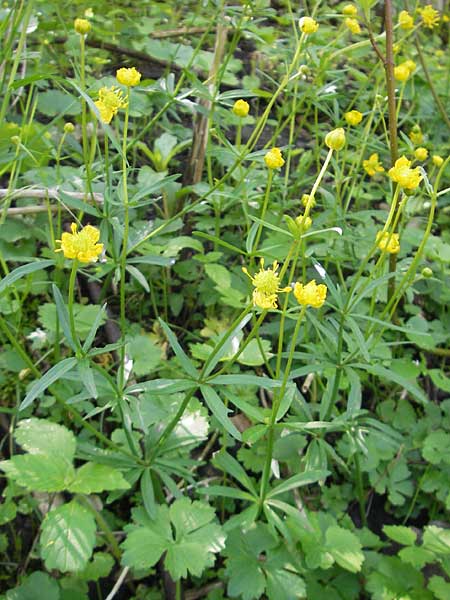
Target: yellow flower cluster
241,108
81,245
372,165
353,117
267,286
310,294
421,153
402,174
308,25
388,242
352,25
110,101
274,159
430,16
128,77
405,20
403,71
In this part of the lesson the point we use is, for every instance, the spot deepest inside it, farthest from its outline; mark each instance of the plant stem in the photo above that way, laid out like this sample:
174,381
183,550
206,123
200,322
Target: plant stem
103,526
360,489
70,299
263,213
123,256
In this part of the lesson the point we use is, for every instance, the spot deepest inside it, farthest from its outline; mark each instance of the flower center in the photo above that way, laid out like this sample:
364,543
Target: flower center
266,281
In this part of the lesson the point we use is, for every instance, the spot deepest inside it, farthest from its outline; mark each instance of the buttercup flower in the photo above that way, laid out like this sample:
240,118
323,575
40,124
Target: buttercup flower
352,25
310,294
110,100
129,77
81,245
274,159
405,20
267,286
421,153
416,135
403,71
372,165
437,160
354,117
308,25
389,242
430,16
350,10
241,108
335,140
82,26
402,174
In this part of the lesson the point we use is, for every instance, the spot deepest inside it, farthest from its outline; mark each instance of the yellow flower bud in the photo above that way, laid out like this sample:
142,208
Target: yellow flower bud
15,139
306,200
401,72
69,127
421,153
416,135
82,26
437,160
304,223
350,10
335,140
274,159
129,77
308,25
427,272
241,108
354,117
352,25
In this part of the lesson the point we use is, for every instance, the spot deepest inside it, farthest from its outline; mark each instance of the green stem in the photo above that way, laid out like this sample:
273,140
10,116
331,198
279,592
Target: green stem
178,590
275,407
70,299
263,213
123,256
360,490
103,526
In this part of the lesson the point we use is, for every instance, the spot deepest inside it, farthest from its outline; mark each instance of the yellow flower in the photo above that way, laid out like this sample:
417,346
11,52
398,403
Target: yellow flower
402,174
305,201
352,25
89,13
81,245
354,117
389,242
308,25
437,160
128,77
416,135
402,72
421,153
430,16
110,100
82,26
411,65
350,10
241,108
405,20
372,165
267,286
335,140
274,159
310,294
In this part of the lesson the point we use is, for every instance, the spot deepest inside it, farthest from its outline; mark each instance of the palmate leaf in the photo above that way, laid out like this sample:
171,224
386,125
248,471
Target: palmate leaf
192,548
68,537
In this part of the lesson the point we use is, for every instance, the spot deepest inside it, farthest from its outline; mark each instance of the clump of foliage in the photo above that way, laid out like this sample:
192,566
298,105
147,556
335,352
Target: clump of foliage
224,255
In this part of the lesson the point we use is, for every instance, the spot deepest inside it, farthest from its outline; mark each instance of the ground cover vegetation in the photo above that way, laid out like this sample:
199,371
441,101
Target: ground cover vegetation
224,255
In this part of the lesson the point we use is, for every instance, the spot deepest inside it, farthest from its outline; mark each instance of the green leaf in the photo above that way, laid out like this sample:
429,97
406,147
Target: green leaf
145,353
345,548
400,534
140,277
219,274
68,537
435,447
148,493
439,379
39,472
219,410
22,271
439,587
252,356
246,379
179,352
48,588
298,480
61,314
436,539
228,464
52,375
391,375
192,548
39,436
100,566
99,320
87,378
93,478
